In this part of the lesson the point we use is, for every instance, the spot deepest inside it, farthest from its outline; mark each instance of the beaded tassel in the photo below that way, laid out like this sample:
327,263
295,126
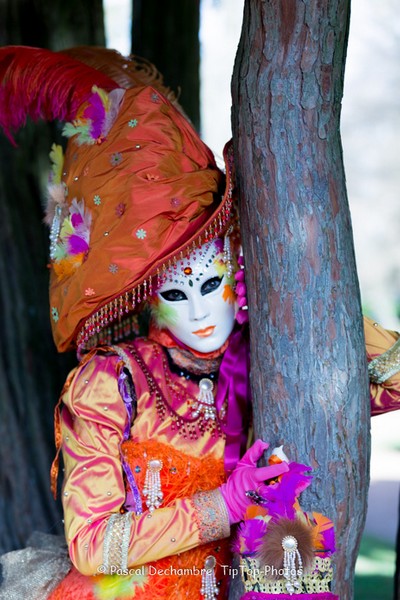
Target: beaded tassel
209,588
205,401
290,572
228,255
152,485
55,231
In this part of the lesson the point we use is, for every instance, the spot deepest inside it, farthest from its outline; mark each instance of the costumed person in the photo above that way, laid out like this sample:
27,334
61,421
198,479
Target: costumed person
152,430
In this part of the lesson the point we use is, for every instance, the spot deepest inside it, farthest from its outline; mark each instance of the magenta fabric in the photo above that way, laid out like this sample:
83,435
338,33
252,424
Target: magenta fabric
233,384
262,596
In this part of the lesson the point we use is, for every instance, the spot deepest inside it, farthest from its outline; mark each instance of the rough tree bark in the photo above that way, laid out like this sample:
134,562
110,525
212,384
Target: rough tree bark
31,372
309,376
167,34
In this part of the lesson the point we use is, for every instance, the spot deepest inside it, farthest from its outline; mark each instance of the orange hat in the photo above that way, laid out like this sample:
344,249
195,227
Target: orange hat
136,191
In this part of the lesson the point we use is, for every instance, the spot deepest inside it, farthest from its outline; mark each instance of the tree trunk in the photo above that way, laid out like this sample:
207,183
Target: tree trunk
309,376
31,372
167,34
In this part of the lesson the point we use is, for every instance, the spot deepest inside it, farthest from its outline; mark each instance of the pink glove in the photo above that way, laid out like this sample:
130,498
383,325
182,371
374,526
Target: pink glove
247,477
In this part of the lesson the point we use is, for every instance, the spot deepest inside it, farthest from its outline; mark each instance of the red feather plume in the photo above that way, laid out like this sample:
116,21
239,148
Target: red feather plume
41,84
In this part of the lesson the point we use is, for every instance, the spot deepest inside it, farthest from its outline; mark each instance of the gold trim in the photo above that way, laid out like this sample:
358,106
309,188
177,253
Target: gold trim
384,366
258,579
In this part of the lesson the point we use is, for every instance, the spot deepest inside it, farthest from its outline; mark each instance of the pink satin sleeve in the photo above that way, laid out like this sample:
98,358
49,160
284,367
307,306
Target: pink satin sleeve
385,396
93,420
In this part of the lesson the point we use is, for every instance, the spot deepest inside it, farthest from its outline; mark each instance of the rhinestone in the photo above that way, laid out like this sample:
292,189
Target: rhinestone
65,493
108,493
155,465
173,540
206,384
89,521
289,543
76,178
105,407
210,562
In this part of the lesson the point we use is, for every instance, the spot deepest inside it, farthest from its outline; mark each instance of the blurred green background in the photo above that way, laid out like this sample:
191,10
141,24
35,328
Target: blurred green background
374,570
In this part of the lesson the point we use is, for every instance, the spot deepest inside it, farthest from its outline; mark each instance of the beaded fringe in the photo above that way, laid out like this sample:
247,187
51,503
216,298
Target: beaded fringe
113,322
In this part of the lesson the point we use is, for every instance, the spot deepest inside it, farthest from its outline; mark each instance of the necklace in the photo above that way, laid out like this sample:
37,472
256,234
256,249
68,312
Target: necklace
192,372
203,415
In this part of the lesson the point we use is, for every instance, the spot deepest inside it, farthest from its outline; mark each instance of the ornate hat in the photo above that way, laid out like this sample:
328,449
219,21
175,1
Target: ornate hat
136,190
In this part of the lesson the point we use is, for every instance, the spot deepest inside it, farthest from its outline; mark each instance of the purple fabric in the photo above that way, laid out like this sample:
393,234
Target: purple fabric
263,596
133,500
233,384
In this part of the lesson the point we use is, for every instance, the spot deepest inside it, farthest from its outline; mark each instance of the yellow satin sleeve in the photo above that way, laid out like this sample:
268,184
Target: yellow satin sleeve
93,420
385,396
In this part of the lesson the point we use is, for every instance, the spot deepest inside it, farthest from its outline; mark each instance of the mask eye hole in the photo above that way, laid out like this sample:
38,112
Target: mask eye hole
173,295
210,285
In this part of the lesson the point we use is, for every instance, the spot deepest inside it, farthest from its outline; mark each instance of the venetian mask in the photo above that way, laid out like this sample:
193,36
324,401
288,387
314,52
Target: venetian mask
196,302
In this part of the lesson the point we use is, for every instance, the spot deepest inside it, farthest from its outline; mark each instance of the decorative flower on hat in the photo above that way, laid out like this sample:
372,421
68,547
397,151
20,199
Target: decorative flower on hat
73,245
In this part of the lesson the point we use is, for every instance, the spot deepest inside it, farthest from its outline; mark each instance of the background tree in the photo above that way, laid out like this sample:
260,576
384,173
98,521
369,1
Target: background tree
167,34
309,379
31,372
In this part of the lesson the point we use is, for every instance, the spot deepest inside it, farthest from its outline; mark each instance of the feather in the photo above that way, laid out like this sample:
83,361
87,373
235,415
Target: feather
127,72
324,534
281,497
81,131
73,245
228,295
68,265
270,553
249,536
96,112
55,198
38,83
57,160
162,314
96,117
110,587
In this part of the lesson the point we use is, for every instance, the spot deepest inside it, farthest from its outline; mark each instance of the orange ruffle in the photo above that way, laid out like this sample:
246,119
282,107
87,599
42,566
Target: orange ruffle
182,475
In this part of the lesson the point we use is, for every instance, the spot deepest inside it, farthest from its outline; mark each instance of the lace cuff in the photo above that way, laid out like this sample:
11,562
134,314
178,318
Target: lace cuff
384,366
116,542
211,516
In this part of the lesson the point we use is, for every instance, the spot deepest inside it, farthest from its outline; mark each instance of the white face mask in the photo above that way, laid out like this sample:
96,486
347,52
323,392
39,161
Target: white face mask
197,301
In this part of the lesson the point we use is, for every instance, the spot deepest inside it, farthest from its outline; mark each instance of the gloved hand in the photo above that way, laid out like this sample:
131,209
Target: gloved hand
248,477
